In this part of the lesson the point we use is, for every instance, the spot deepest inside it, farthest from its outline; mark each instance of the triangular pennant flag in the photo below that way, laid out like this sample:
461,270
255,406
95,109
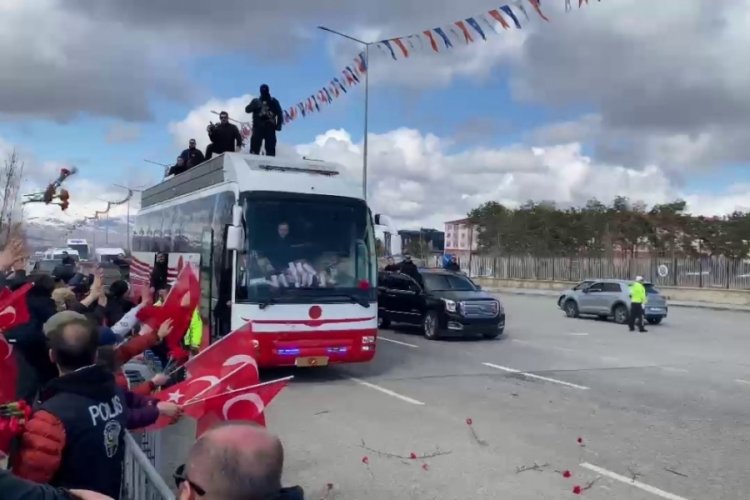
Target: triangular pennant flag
499,17
301,107
493,26
474,24
341,85
401,46
352,73
388,45
446,40
315,103
538,8
465,31
362,62
519,6
433,42
328,96
508,11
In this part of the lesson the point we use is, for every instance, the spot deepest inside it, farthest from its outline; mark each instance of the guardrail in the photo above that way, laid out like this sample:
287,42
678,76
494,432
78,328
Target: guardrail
140,479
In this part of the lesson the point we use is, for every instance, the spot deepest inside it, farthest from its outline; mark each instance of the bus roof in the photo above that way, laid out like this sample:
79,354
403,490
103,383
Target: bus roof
257,173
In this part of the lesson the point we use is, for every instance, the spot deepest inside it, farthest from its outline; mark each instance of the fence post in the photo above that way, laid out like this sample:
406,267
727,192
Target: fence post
728,270
700,271
553,268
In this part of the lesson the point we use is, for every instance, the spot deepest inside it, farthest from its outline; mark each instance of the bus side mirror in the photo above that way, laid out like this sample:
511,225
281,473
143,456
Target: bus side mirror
234,238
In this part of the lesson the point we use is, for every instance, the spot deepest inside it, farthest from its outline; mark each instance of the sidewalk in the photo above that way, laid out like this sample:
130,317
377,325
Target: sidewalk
671,303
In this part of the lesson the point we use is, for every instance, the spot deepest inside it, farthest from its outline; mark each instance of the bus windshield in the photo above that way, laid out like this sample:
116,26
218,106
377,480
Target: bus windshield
83,250
306,248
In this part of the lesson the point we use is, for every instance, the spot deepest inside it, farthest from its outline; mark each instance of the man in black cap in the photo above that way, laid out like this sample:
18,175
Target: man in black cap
267,120
192,156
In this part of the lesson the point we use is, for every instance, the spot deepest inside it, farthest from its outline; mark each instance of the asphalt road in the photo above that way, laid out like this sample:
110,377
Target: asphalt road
662,414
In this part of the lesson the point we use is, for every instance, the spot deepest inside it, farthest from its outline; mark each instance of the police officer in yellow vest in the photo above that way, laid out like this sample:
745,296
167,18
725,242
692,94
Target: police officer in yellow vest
637,301
194,335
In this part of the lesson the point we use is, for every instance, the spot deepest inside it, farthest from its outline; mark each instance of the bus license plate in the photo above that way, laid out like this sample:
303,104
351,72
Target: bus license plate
311,361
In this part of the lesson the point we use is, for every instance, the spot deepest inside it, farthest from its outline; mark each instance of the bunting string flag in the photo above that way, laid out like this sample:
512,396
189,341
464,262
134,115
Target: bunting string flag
438,40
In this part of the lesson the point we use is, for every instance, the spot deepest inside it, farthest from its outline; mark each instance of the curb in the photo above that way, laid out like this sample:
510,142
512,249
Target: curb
550,293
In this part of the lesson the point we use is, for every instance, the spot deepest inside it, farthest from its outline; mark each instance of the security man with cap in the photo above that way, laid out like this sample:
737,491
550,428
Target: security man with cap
268,118
637,301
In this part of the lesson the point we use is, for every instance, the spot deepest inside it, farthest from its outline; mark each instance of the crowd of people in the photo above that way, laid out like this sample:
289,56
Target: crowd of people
70,355
225,137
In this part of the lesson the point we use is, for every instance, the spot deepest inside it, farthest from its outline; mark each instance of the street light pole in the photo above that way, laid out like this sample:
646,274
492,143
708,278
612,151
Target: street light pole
367,99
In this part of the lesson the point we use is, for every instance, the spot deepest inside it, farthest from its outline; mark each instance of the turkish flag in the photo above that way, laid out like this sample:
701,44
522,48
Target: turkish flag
8,372
205,386
179,305
13,308
248,404
225,355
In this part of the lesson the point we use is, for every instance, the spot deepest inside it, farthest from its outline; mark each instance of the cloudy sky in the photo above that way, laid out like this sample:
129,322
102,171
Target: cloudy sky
614,98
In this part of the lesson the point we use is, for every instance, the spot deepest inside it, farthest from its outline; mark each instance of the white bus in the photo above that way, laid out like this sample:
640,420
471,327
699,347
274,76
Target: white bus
82,247
285,244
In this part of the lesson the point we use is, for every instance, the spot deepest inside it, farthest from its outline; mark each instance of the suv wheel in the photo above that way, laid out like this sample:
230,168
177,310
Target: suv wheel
654,320
383,321
431,326
620,312
571,308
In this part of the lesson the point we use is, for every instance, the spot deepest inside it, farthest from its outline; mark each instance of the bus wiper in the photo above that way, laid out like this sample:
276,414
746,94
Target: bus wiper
354,298
265,303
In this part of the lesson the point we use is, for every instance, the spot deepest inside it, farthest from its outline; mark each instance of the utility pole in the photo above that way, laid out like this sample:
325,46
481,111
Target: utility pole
366,45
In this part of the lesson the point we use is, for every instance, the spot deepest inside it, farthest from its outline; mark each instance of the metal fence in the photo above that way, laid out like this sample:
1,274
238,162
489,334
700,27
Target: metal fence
703,272
143,453
140,479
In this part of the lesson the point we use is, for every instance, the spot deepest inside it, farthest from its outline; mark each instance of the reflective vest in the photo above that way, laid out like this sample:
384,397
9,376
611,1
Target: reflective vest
637,293
194,334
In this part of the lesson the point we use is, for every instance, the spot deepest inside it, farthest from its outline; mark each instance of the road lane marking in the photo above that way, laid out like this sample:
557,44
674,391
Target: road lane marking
632,482
579,334
537,377
539,345
741,381
675,370
380,337
387,391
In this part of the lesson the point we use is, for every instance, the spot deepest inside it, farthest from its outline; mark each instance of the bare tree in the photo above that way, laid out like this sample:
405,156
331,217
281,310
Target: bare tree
11,174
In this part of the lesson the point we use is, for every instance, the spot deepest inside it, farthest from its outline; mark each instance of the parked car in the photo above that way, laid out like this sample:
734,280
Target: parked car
449,304
607,298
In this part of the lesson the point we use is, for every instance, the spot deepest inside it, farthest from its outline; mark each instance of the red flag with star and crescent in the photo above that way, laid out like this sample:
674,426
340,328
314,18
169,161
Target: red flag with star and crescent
13,308
223,379
179,305
247,403
232,350
8,372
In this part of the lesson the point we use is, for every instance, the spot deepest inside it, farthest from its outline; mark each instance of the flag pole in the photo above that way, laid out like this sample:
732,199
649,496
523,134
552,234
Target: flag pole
234,391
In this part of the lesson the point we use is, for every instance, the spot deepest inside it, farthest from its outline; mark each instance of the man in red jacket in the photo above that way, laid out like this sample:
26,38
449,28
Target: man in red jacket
75,438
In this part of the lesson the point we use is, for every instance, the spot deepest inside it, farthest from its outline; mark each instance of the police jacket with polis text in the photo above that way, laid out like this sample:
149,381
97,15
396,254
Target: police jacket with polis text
75,438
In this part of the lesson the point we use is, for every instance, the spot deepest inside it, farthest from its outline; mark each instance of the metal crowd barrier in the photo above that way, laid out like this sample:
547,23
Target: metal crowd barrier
140,479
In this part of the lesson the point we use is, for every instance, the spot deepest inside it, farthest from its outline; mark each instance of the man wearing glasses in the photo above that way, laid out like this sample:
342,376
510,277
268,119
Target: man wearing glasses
223,137
235,460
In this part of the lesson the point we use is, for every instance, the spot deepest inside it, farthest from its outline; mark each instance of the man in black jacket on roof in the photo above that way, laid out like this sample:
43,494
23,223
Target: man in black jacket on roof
267,120
223,137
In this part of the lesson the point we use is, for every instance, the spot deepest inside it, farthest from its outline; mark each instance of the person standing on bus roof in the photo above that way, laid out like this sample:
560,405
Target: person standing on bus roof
223,137
267,120
192,156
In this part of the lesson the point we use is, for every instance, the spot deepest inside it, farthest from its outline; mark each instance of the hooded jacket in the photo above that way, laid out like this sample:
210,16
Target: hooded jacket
75,438
267,112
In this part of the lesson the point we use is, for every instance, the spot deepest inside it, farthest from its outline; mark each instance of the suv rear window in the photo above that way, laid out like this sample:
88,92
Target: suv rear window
611,287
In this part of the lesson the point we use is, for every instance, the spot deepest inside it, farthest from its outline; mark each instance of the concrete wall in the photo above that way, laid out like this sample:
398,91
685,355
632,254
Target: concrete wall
708,295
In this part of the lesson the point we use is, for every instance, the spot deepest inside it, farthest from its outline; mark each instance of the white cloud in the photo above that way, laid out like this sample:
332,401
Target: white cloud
121,133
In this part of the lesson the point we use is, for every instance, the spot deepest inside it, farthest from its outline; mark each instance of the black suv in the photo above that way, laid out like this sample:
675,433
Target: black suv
448,304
